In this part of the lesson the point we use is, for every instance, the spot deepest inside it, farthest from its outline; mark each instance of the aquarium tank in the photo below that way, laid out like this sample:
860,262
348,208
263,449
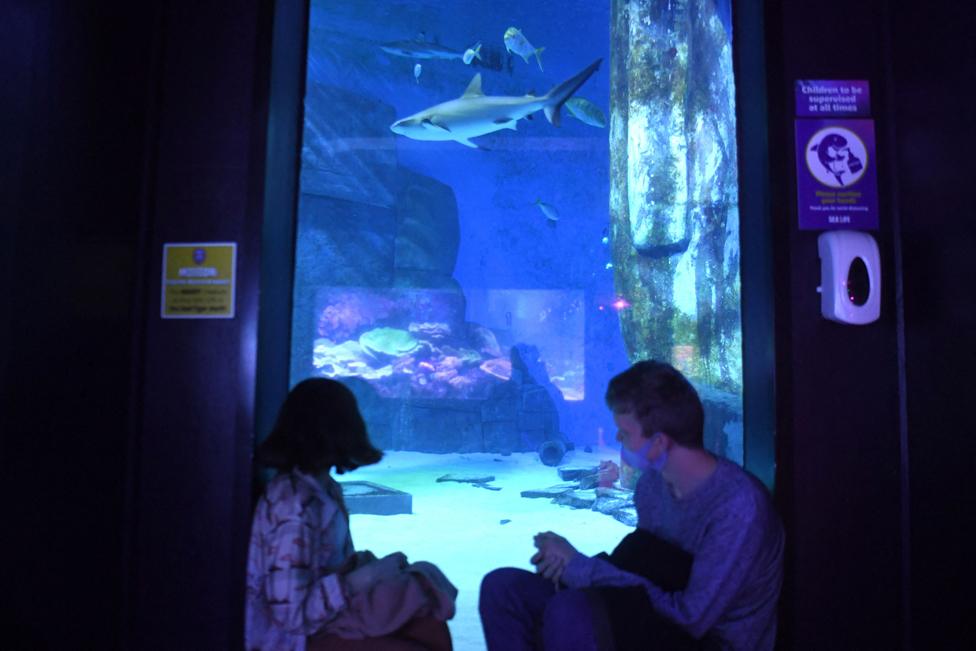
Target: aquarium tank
501,206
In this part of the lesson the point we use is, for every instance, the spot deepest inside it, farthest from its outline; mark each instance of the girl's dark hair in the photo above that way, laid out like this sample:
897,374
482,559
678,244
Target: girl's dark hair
319,427
661,399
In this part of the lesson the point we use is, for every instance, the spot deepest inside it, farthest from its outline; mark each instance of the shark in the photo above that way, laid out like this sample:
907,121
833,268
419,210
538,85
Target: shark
475,114
420,49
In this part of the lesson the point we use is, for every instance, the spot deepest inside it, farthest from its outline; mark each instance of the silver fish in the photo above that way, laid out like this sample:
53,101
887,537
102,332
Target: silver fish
586,111
552,215
475,114
473,52
417,69
516,42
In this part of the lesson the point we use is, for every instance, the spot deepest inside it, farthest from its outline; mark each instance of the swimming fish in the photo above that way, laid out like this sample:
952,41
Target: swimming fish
516,42
586,111
473,52
474,114
552,215
420,49
417,69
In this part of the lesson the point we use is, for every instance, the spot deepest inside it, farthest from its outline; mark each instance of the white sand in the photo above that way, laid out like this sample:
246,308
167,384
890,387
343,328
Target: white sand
458,526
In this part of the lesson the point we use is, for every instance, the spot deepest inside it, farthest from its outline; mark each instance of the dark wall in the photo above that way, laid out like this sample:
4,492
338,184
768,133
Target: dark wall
934,65
73,91
866,412
126,438
838,440
190,514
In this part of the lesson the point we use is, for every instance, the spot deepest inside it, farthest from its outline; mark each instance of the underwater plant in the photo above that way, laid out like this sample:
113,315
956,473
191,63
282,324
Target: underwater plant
388,342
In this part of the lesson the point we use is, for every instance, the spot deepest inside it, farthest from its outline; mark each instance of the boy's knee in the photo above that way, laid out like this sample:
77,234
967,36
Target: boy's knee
568,621
497,583
567,606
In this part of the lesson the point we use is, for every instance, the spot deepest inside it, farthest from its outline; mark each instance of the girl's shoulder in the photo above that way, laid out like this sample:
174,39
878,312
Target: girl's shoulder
293,495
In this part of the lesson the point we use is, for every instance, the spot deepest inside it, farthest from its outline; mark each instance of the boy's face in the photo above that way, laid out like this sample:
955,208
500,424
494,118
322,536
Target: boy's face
629,430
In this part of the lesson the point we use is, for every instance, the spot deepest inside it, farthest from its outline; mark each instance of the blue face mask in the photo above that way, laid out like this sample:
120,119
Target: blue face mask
639,460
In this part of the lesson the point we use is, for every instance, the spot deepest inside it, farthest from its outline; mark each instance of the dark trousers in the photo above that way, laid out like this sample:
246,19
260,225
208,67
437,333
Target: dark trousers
522,611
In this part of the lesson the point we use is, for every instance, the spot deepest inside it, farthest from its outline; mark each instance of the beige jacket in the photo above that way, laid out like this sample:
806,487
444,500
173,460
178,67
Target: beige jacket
391,598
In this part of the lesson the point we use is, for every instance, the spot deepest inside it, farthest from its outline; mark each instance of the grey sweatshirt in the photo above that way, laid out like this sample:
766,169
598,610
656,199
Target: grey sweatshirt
729,526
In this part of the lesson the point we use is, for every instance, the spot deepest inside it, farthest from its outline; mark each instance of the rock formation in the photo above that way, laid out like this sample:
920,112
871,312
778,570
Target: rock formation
673,199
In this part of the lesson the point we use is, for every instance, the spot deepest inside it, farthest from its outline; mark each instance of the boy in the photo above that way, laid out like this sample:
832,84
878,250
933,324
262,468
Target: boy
702,571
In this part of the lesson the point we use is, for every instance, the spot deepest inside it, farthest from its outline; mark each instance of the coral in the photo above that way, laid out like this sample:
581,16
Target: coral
498,367
430,330
344,360
484,340
346,312
387,342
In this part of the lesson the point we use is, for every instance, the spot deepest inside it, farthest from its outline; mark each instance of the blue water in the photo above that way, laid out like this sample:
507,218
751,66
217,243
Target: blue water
400,287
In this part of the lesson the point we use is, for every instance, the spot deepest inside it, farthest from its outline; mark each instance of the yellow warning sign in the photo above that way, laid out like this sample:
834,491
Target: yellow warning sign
198,280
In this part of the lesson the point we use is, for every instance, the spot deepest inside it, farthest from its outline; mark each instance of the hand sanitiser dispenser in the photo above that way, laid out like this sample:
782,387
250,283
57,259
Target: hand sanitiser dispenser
850,277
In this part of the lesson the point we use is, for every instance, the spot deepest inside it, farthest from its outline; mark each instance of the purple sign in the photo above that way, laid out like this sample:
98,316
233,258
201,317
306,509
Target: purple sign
832,98
836,180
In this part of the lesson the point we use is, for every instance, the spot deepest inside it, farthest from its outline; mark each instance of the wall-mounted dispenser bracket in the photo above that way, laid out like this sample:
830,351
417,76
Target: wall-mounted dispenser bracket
850,277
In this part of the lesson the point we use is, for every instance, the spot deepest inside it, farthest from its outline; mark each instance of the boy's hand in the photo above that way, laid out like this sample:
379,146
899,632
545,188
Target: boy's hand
608,472
554,554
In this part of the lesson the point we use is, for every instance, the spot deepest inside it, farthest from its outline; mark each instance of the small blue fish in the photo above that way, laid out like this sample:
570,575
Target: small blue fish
417,69
552,215
472,53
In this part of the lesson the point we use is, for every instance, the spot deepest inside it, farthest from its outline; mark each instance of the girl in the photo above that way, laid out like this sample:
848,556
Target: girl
302,571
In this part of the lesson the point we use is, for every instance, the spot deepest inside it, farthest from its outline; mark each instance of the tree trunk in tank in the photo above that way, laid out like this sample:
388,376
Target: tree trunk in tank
673,187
